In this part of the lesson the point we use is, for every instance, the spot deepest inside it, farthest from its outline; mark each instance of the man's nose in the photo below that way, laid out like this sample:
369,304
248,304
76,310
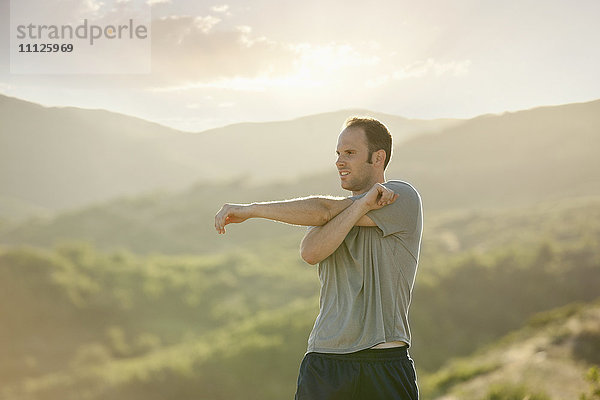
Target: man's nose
339,162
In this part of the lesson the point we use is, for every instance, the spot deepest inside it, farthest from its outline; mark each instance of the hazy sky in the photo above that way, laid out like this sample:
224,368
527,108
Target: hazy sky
215,63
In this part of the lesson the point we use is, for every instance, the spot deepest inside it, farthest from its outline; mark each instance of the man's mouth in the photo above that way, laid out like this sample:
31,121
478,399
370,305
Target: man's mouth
344,173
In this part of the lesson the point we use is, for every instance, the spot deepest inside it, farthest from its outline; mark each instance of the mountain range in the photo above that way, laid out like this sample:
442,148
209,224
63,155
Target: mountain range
54,158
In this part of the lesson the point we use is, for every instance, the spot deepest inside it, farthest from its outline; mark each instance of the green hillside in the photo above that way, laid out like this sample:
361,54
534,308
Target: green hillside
547,359
137,297
234,324
174,223
77,320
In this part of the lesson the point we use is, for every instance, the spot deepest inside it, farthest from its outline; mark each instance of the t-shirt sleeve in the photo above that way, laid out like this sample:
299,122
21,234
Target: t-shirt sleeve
403,215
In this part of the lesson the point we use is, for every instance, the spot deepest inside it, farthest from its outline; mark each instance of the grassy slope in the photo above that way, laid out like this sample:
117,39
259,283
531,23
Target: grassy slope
75,319
550,355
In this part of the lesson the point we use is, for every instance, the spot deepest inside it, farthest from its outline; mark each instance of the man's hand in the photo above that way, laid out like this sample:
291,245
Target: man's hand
231,214
377,197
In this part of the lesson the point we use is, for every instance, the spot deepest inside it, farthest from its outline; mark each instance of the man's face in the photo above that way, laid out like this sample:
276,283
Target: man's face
356,174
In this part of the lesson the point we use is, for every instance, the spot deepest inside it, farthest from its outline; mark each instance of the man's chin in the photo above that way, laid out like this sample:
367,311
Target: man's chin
346,185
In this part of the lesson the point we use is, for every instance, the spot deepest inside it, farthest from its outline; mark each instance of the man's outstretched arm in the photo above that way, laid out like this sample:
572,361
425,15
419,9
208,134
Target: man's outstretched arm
308,211
321,241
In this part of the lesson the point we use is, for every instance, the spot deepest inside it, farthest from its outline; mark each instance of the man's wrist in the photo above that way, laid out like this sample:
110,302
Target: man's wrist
362,205
252,210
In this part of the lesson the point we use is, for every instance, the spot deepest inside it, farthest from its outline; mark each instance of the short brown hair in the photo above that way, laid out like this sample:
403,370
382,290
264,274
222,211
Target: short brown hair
378,136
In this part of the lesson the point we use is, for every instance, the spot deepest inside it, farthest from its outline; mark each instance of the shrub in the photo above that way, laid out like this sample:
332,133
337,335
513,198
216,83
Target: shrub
513,392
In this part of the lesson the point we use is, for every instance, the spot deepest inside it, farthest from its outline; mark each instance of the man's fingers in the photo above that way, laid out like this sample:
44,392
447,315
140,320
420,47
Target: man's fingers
387,196
224,221
383,196
220,221
228,214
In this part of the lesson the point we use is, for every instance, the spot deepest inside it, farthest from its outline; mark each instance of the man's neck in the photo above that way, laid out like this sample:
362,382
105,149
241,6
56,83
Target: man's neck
380,179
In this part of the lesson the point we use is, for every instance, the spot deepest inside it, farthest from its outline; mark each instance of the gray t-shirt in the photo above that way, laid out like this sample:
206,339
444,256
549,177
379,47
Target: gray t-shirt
366,284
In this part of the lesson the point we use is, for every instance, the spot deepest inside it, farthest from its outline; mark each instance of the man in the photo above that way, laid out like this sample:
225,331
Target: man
367,247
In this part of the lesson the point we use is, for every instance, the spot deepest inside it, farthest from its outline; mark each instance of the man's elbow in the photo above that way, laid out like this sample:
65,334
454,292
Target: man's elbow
309,258
309,255
322,219
325,212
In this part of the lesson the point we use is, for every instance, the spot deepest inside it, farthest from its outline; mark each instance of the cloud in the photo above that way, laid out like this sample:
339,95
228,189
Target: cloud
431,67
378,81
74,10
5,87
244,29
191,53
244,84
331,57
223,8
205,24
301,66
92,5
192,49
420,69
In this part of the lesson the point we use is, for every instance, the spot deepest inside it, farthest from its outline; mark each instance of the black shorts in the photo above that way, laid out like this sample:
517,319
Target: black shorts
367,374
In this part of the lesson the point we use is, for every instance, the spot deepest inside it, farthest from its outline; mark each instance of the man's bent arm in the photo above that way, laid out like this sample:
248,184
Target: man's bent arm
321,241
309,211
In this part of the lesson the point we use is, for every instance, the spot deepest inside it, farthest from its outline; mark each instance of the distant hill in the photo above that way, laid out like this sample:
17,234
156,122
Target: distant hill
549,356
509,159
62,157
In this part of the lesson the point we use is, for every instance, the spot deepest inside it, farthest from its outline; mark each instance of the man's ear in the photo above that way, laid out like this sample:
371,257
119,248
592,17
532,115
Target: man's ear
379,157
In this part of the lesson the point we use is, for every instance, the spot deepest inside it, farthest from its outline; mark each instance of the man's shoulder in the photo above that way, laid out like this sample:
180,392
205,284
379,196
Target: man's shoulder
401,187
403,215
